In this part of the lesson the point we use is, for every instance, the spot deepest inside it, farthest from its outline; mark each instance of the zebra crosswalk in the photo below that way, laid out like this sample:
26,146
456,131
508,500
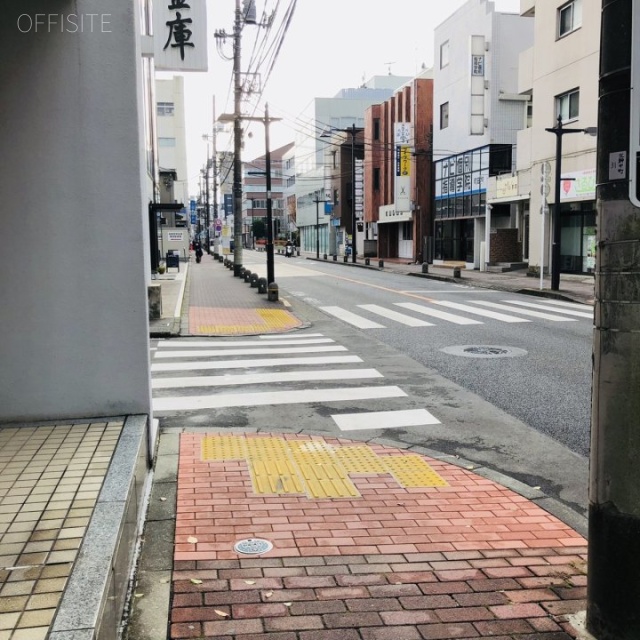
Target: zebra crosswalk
508,311
200,376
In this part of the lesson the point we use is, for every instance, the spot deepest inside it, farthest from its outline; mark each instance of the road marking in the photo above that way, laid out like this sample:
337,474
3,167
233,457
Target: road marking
240,343
479,312
250,364
384,419
394,315
571,305
264,378
351,318
524,312
290,336
543,307
226,400
213,353
436,313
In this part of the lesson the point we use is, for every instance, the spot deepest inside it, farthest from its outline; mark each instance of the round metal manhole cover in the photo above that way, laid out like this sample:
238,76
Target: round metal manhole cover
484,351
253,546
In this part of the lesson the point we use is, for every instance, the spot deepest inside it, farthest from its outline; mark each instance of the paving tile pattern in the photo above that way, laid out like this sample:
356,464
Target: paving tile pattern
467,560
221,304
50,478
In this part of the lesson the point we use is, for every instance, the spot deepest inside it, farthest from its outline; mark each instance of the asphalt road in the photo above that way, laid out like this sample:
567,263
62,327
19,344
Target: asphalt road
547,388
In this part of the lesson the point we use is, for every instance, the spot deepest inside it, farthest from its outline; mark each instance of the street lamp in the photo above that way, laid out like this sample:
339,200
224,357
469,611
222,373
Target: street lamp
272,287
351,130
559,131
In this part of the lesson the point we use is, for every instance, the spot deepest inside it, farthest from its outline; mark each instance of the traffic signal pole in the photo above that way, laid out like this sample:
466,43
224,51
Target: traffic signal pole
613,581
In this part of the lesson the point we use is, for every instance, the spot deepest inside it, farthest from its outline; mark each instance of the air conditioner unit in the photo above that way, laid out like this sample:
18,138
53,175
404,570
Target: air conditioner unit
486,45
486,123
486,84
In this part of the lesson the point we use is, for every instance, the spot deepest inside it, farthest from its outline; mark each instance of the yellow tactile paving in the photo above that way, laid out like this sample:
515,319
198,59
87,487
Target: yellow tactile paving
278,318
412,471
272,468
360,459
224,448
322,471
314,467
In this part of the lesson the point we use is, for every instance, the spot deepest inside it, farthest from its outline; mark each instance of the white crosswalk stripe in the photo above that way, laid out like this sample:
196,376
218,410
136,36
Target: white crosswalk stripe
546,307
262,398
436,313
216,353
394,315
352,318
182,387
384,419
494,315
525,312
193,365
264,378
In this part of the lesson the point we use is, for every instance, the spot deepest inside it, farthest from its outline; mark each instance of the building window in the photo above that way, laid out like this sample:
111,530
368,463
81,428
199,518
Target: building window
569,17
376,178
444,54
444,115
568,105
166,108
376,128
166,142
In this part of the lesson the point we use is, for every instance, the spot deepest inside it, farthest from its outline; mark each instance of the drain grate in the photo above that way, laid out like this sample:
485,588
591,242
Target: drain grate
484,351
252,546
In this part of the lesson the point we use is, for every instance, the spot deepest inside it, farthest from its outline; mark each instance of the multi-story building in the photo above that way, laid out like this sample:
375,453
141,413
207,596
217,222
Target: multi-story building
397,172
558,74
325,117
478,112
254,190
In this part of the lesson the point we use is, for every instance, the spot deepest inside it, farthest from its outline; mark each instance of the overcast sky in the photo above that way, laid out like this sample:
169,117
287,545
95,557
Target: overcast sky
330,45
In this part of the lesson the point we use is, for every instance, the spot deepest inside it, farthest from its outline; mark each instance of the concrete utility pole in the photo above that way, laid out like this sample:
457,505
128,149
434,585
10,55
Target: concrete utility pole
613,591
237,144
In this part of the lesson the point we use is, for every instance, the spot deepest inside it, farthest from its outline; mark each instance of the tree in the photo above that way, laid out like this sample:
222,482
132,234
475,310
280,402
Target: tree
259,228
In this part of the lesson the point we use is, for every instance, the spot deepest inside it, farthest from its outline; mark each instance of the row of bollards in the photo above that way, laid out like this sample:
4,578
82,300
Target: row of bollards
253,279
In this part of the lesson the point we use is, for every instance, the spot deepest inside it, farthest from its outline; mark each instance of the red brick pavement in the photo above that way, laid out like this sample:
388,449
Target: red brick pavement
467,560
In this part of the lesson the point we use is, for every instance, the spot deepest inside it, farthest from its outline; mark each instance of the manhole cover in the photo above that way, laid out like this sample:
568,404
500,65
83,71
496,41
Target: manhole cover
252,546
484,351
487,351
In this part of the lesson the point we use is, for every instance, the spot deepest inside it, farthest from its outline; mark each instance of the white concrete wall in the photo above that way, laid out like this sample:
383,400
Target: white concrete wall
74,300
561,65
172,90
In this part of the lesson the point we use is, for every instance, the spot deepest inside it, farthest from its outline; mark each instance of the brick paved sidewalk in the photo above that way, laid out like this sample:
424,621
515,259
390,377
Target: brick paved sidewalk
221,304
369,543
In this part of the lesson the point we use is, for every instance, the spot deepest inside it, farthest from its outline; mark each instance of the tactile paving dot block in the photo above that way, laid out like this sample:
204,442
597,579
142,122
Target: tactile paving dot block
412,471
360,459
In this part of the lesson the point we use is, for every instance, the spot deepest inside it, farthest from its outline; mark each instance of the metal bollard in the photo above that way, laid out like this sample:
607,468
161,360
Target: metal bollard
242,271
456,272
367,261
425,267
262,285
254,280
345,258
381,263
247,275
272,292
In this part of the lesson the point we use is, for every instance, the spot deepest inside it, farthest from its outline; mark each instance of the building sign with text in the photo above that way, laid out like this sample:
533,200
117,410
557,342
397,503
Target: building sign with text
180,35
403,139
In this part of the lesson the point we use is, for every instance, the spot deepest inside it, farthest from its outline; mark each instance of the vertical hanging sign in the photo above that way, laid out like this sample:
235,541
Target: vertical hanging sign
180,35
402,139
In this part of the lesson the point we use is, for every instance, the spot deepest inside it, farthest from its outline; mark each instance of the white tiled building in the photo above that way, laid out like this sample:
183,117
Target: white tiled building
560,74
477,114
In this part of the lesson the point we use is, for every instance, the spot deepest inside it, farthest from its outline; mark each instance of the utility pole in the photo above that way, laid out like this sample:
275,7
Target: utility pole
613,581
206,197
214,162
237,144
352,131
